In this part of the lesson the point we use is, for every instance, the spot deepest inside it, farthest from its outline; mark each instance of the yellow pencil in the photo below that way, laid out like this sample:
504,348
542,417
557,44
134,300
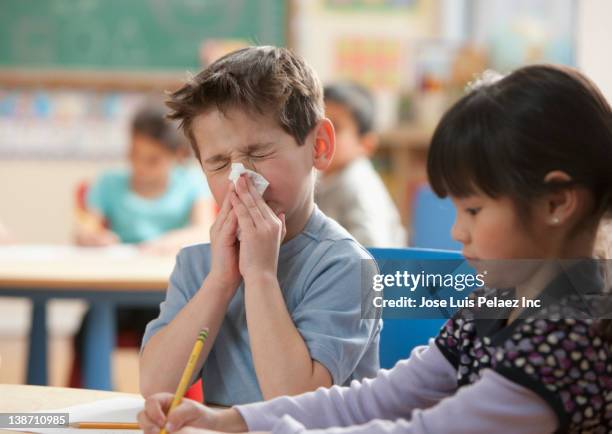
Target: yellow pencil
188,372
105,425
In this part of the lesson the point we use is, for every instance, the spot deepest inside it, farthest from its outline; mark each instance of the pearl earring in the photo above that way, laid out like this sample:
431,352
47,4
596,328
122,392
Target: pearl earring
555,220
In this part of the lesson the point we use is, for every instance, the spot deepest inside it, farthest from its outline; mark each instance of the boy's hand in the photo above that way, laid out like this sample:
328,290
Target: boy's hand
224,248
187,413
261,231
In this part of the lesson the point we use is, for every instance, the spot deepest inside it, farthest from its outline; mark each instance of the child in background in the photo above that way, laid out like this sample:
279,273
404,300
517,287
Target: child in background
526,160
157,204
350,191
282,304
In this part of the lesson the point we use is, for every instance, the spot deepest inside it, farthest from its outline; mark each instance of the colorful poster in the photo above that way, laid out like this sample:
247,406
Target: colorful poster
66,124
374,62
369,5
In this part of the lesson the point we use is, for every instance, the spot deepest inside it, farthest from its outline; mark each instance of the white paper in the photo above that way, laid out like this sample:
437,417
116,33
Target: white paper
107,410
259,181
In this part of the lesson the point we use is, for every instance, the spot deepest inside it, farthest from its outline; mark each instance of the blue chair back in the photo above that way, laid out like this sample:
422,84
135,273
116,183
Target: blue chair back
399,336
432,220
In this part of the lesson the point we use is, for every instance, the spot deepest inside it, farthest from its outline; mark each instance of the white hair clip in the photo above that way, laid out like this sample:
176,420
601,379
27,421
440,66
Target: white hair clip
487,78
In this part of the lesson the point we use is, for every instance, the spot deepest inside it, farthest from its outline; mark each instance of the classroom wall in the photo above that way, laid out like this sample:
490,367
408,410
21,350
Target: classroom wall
37,197
593,42
324,35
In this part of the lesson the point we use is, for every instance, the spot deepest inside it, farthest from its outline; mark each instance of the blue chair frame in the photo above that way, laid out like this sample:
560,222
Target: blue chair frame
399,336
432,221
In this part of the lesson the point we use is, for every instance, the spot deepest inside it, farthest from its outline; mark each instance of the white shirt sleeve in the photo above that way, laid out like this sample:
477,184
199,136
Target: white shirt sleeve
418,382
417,396
493,404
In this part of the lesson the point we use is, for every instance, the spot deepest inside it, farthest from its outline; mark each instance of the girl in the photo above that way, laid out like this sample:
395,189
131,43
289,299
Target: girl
157,204
527,161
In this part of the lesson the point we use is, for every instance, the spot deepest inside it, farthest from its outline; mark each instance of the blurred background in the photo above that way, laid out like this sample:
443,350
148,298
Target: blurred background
72,72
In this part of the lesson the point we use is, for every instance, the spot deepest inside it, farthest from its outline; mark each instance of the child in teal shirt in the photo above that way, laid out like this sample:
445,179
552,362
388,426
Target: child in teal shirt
137,219
157,204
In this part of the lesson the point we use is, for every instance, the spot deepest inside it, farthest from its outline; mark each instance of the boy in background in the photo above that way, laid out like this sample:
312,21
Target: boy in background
350,190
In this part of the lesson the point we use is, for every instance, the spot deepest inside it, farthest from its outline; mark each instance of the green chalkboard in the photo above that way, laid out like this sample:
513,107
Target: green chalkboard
130,34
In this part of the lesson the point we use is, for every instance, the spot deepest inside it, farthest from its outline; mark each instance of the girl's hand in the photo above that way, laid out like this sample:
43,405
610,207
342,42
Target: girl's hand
224,248
187,414
98,238
261,231
161,247
189,417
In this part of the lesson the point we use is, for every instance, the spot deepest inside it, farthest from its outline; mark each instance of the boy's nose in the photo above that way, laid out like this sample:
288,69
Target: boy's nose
248,164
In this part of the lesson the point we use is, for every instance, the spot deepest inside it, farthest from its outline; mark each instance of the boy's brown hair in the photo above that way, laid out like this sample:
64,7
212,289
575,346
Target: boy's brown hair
259,80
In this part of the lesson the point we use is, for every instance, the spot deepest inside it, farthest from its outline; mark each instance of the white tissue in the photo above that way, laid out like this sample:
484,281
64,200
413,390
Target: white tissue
259,181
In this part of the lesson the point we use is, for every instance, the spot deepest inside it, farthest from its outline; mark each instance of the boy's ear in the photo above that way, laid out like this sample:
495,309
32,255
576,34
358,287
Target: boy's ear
324,144
561,204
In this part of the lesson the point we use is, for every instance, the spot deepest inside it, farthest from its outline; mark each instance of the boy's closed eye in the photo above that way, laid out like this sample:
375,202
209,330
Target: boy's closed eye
473,210
218,166
216,163
258,151
260,156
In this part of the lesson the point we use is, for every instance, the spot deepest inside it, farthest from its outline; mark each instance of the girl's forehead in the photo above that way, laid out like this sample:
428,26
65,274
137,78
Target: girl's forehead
480,197
473,193
147,145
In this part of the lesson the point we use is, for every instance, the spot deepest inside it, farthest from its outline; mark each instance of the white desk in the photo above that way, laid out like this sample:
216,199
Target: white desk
105,277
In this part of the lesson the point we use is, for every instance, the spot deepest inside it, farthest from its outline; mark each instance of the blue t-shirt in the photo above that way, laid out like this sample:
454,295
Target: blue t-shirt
135,218
320,274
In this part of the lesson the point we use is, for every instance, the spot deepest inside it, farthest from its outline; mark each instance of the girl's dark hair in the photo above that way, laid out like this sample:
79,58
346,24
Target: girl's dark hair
503,138
151,121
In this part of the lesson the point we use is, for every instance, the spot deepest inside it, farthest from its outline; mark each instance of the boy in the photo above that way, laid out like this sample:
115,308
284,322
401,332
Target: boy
283,303
350,191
